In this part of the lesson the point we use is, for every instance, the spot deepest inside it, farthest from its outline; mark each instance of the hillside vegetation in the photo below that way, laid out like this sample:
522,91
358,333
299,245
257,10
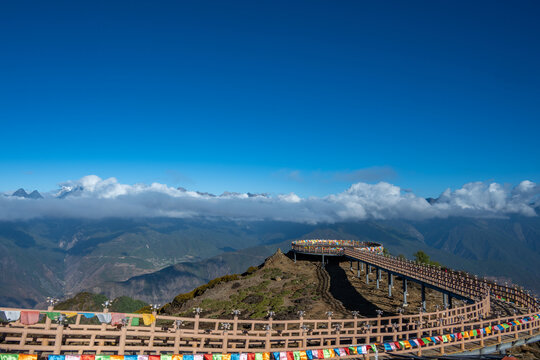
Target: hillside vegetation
155,259
278,285
86,301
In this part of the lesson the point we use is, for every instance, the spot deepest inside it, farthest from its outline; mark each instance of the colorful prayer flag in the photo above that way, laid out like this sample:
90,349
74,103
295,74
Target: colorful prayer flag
148,319
28,357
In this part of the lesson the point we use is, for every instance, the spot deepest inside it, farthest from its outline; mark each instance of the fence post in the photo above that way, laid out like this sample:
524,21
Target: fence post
50,308
152,331
122,345
177,327
58,339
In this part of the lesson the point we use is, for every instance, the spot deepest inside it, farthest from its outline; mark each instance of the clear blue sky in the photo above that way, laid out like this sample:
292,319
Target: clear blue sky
273,96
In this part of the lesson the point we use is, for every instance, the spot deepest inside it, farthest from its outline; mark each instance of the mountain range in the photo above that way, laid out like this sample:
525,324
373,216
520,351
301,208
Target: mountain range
22,193
155,259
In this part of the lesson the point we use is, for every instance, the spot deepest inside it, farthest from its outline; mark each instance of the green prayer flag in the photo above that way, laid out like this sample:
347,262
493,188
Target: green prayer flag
374,348
9,356
103,357
166,357
135,321
216,357
296,355
52,315
475,333
326,353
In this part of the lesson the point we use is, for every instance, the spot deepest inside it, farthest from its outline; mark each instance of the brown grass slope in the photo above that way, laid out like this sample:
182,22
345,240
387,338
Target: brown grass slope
278,285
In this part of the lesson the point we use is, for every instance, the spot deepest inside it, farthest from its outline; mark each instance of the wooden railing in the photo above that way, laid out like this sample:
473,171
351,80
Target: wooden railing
170,334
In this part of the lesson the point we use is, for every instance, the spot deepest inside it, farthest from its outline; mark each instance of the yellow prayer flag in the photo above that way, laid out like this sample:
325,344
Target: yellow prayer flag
148,318
27,356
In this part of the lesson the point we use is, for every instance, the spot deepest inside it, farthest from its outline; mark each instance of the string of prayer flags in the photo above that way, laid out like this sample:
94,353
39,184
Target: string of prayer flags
286,355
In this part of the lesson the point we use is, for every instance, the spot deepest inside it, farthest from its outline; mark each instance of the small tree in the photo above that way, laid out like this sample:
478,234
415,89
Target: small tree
421,257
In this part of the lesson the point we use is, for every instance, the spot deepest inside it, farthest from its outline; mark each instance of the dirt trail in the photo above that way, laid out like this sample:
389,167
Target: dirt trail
323,288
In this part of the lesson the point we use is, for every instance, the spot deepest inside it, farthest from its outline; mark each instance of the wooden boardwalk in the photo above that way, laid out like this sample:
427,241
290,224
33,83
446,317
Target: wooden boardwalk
196,335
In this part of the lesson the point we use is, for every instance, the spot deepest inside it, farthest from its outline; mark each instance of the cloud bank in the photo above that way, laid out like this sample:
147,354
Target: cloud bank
93,197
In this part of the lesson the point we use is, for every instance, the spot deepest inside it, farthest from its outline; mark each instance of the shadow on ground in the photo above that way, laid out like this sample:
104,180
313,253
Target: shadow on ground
342,289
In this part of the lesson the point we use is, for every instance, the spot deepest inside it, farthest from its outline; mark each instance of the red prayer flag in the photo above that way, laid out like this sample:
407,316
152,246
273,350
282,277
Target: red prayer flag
154,357
88,357
320,354
251,356
208,357
290,355
29,317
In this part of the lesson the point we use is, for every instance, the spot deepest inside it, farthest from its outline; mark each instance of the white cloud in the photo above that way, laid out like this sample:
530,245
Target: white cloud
93,197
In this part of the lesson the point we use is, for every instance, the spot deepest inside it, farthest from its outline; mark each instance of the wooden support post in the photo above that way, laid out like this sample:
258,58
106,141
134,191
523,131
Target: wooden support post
196,325
122,344
423,296
177,340
267,341
58,339
225,346
405,293
47,325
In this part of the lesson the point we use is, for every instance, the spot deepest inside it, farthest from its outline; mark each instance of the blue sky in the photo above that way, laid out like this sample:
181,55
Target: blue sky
277,96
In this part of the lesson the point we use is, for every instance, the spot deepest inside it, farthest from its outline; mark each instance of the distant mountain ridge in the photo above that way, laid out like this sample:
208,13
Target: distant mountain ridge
151,259
22,193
